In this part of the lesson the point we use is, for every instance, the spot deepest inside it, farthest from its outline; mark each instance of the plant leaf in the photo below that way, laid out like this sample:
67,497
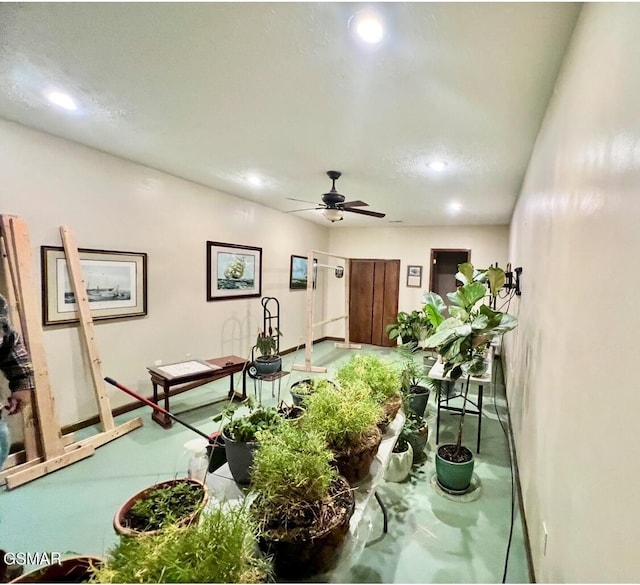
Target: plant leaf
496,278
466,270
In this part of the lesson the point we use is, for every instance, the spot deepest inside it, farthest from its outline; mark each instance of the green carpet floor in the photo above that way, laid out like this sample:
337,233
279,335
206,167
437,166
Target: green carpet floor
431,538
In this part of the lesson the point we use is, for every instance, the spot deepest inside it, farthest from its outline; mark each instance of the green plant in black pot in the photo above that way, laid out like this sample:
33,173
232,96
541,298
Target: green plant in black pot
415,384
240,437
462,341
302,389
408,327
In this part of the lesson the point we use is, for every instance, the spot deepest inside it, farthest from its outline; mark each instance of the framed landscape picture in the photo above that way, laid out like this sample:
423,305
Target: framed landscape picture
116,284
233,271
298,272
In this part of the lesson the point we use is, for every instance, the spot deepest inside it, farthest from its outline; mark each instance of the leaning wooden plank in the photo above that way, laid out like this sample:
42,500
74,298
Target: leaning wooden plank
106,436
18,467
21,477
29,421
343,345
308,368
17,239
87,328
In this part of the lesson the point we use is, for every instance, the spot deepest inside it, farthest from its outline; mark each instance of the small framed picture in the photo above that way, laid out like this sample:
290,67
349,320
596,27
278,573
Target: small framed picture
414,276
233,271
298,272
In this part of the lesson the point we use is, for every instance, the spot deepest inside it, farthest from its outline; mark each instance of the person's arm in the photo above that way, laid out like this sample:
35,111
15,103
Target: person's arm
14,363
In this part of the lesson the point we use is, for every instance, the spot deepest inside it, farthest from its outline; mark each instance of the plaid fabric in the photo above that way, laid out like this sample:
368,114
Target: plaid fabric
14,359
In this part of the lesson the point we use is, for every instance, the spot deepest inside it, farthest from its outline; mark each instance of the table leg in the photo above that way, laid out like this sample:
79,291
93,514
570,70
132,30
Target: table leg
230,386
162,419
479,417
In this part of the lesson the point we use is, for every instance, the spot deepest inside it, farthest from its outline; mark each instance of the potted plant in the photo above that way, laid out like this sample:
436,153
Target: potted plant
240,436
74,569
415,384
150,510
408,328
462,341
346,418
221,548
400,461
381,377
415,432
268,362
302,505
302,389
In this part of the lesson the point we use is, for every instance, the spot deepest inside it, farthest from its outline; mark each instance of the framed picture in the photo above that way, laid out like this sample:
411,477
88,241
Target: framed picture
116,284
298,272
233,271
414,276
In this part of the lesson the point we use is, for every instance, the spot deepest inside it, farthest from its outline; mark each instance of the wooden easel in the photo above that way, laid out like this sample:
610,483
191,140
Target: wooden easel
46,449
307,366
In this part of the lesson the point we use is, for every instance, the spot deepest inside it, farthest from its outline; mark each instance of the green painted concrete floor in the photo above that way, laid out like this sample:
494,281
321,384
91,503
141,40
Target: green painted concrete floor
431,539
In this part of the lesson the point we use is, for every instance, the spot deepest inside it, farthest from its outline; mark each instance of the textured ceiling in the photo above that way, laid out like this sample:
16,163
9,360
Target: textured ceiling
213,92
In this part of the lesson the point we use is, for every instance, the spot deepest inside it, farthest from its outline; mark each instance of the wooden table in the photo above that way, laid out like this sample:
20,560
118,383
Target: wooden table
437,373
183,376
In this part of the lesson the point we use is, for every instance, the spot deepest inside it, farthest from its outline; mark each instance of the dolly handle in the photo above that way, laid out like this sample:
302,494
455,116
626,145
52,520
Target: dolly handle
154,406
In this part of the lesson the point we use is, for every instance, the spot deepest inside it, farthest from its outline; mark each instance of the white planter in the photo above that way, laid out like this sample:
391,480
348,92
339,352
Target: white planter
399,465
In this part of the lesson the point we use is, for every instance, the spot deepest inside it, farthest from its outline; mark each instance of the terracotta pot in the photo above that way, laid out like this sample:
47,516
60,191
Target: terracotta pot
354,464
69,570
119,523
296,558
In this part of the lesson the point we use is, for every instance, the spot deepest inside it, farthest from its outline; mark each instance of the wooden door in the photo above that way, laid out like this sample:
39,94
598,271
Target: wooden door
373,300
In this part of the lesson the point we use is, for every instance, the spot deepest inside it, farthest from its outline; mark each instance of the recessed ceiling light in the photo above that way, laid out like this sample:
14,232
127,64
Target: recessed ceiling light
455,206
437,165
368,27
62,99
255,180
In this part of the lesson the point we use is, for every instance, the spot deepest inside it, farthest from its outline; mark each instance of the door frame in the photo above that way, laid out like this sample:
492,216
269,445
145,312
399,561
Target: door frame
434,251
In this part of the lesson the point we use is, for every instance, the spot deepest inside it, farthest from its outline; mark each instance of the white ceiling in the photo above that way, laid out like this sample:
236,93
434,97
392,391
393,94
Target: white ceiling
213,92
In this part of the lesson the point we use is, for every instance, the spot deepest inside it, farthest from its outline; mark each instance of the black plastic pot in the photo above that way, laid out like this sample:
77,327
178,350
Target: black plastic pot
240,459
219,456
418,400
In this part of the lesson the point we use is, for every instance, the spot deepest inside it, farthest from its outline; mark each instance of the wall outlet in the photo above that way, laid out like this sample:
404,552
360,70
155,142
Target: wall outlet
158,362
545,539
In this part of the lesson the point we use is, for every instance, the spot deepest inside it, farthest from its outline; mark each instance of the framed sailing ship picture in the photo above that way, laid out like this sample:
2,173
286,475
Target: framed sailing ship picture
233,271
116,284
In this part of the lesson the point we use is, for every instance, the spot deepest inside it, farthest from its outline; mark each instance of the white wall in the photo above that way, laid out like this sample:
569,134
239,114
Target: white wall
112,204
412,246
573,389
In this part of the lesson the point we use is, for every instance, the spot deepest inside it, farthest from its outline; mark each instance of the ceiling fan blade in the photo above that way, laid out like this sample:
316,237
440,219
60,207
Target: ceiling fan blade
301,200
357,203
305,209
364,212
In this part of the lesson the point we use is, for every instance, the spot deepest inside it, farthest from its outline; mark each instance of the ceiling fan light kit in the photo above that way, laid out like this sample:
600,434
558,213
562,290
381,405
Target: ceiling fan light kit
334,204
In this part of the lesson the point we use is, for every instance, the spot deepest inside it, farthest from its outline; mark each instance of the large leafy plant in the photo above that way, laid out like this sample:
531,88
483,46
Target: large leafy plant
463,338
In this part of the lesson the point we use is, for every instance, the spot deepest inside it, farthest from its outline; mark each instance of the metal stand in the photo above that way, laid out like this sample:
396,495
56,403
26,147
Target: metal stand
271,326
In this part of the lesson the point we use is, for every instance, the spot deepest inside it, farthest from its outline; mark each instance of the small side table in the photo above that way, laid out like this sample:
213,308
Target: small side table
277,376
224,366
445,385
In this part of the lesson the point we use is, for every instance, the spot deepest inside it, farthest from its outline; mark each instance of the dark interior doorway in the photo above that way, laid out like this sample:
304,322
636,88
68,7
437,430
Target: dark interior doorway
444,266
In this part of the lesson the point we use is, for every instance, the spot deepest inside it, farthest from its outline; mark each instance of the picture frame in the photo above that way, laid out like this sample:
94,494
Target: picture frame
234,271
414,276
116,284
298,273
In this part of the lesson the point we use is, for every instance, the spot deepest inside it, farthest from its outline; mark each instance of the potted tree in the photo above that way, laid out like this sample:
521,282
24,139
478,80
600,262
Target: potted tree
408,328
221,548
346,418
381,377
268,362
302,505
462,341
175,501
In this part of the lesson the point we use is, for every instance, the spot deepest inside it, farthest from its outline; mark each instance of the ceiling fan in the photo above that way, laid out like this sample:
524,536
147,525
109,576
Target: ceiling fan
334,205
